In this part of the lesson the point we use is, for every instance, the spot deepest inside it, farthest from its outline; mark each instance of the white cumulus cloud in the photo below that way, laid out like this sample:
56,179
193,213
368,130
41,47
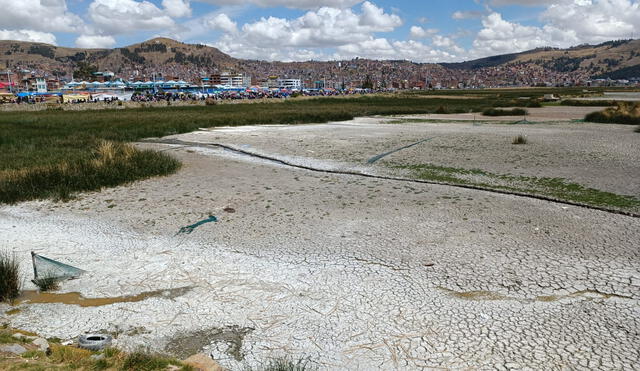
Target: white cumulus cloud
39,15
565,23
95,41
28,35
127,16
295,4
221,22
177,8
417,32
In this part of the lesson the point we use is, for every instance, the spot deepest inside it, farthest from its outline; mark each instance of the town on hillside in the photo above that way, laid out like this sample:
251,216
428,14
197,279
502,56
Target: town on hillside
39,72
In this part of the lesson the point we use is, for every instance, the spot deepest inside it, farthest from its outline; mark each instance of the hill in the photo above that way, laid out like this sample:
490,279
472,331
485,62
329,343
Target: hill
153,53
172,59
616,59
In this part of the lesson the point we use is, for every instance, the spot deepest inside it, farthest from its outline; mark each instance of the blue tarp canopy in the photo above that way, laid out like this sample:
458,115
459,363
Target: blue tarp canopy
31,93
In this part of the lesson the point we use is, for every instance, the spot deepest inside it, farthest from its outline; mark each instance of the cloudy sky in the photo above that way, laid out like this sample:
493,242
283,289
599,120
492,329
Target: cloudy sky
418,30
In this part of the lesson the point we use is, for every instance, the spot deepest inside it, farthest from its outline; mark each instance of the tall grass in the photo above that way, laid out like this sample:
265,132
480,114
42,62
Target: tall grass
10,280
520,139
110,164
623,113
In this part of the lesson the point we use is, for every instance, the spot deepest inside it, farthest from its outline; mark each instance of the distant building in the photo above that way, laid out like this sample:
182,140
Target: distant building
272,82
53,84
290,84
103,76
235,80
41,85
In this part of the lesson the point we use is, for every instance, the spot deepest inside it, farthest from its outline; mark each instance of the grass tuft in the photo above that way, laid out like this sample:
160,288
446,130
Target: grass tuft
505,112
47,283
10,280
623,113
285,364
520,139
144,361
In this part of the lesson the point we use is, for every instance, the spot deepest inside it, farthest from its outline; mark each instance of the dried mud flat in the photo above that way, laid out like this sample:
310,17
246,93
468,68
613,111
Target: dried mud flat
353,272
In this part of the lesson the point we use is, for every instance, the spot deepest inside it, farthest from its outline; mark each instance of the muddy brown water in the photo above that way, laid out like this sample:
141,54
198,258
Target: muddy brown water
75,298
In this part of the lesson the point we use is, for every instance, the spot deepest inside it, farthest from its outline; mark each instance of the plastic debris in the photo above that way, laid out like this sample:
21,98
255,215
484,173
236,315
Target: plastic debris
188,229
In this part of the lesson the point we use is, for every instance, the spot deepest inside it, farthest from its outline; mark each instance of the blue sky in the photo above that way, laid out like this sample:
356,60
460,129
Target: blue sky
423,31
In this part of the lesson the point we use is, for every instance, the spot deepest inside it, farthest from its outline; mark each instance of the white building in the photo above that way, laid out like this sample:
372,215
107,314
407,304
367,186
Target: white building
41,85
292,84
235,80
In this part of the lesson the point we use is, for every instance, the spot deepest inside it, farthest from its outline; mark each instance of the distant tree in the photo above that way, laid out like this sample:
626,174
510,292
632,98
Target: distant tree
84,71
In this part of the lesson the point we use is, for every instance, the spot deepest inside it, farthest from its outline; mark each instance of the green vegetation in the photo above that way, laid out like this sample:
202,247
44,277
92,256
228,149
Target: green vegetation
10,280
6,337
47,283
623,113
442,110
501,112
588,103
144,361
520,139
63,357
52,154
552,187
110,164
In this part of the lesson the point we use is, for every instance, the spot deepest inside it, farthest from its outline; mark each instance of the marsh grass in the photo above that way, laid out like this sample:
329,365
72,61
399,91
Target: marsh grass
47,283
588,103
10,280
54,154
622,113
110,164
505,112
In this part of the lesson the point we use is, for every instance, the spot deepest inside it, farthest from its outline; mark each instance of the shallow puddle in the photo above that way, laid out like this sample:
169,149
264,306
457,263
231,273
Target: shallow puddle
75,298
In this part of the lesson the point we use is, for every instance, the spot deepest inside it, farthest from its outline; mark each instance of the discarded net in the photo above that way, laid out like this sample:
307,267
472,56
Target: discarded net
49,268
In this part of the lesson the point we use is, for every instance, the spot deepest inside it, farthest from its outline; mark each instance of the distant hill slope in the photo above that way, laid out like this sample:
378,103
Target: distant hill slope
615,59
159,51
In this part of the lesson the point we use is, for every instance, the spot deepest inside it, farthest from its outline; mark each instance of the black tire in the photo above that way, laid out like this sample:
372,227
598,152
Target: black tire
94,341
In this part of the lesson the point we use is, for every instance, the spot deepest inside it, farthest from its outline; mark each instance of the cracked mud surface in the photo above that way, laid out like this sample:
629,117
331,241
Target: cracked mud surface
352,273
